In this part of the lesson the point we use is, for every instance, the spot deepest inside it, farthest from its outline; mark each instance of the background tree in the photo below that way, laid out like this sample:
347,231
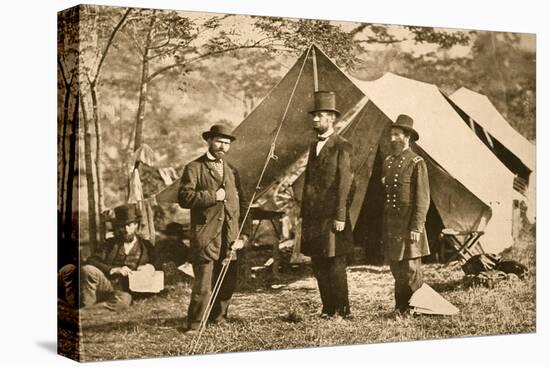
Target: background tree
95,38
169,41
67,125
168,75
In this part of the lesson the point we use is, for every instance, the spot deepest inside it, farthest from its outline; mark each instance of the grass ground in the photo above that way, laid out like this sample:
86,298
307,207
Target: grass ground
264,318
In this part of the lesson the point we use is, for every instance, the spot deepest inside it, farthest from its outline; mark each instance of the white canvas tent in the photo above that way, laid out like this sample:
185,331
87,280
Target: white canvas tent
470,188
513,149
450,143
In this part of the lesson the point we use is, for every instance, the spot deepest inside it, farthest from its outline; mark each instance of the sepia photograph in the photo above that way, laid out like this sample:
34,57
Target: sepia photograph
236,183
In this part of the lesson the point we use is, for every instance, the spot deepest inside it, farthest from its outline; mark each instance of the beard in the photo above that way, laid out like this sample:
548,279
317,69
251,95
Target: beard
397,146
218,154
129,237
126,237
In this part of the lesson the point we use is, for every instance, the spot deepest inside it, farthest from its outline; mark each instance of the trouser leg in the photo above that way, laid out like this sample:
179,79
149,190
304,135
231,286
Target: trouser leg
92,282
413,275
339,284
396,272
227,288
68,284
320,267
200,293
118,300
408,278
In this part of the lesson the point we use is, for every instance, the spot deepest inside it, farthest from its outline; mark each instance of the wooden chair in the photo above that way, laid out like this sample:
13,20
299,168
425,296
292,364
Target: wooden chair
464,244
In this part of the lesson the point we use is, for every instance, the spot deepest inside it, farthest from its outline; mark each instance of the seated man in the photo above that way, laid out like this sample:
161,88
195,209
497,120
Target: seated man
104,276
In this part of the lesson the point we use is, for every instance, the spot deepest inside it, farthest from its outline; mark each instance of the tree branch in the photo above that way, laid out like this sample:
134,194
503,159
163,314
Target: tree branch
167,42
60,64
358,29
135,43
373,40
208,54
109,43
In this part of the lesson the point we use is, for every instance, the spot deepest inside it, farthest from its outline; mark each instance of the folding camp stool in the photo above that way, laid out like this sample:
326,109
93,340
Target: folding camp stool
465,243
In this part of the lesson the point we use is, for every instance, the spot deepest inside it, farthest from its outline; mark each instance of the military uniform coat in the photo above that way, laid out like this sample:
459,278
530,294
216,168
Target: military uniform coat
406,203
326,198
197,192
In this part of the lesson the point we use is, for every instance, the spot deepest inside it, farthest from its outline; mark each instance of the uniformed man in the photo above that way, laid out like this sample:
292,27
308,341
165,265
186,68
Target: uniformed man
406,203
326,228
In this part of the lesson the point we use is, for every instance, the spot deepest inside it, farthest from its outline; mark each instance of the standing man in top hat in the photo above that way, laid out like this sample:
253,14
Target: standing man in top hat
105,274
326,227
406,203
210,187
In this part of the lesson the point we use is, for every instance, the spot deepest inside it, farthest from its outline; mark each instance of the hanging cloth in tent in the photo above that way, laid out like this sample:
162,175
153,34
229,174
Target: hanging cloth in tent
135,195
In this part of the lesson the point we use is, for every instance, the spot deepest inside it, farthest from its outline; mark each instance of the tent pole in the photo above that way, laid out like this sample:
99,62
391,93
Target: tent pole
315,80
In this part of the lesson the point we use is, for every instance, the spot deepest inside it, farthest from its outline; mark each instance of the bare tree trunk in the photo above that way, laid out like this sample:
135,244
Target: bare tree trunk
63,147
90,184
144,83
498,67
73,163
98,162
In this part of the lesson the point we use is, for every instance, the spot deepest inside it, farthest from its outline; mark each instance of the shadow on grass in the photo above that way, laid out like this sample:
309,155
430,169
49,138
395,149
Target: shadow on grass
447,286
131,325
368,269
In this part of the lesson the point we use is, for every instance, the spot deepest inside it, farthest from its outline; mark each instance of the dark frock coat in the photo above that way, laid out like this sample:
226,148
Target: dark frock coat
326,198
197,192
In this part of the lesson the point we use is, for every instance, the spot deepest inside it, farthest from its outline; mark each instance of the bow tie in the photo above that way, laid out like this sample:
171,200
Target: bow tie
322,138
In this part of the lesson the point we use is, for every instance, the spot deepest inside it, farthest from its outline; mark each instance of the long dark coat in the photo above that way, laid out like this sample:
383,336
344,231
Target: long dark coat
406,203
197,192
326,198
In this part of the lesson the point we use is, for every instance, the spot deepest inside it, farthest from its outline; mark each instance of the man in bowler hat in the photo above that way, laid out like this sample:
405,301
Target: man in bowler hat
406,203
326,228
104,276
210,187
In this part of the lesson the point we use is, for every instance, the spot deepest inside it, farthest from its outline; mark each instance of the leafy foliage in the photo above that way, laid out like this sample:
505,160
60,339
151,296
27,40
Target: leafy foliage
199,69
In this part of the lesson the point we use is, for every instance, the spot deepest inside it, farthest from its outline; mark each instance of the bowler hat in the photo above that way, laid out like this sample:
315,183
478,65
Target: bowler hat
405,123
127,213
218,130
324,101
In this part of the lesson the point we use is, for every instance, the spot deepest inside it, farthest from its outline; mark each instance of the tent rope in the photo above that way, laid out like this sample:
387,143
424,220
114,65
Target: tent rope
225,264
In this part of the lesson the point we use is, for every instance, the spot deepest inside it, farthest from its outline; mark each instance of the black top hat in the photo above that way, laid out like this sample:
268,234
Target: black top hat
218,130
405,123
324,101
125,214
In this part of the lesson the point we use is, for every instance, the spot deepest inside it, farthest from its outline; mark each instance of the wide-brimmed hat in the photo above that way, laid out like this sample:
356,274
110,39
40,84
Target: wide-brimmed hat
125,214
324,101
218,130
405,123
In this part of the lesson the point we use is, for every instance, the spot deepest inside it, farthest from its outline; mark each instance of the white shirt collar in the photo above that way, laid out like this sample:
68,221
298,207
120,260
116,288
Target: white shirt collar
210,156
321,143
